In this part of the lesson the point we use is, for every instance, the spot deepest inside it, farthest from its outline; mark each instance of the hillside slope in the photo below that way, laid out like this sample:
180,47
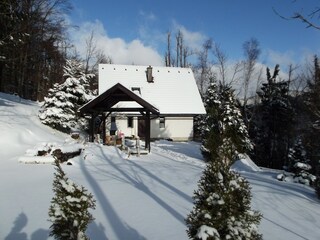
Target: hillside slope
144,197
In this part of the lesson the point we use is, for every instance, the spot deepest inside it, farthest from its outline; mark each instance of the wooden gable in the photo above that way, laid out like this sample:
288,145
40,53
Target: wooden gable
118,93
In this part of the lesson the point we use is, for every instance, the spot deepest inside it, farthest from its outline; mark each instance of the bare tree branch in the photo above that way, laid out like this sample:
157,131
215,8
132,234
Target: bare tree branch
306,21
302,18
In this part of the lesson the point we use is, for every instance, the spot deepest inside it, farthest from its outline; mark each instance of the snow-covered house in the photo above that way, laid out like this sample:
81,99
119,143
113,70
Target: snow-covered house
168,96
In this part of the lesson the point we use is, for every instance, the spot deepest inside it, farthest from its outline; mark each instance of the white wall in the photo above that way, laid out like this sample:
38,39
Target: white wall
122,125
176,128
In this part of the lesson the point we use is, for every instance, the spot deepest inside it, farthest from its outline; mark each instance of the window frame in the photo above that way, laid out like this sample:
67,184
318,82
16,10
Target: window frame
130,123
162,122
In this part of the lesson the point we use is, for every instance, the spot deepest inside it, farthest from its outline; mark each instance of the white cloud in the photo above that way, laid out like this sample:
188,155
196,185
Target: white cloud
120,51
148,16
281,58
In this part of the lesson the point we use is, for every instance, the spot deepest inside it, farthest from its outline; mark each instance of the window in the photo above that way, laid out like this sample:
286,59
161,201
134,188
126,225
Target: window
130,122
113,127
162,122
136,90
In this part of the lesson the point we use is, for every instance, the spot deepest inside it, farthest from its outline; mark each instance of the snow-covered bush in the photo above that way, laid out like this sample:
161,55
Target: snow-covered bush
222,203
60,107
68,211
303,178
298,169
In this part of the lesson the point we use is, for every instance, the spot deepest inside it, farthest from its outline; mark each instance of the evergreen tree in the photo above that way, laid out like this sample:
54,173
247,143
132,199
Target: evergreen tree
299,164
222,202
60,107
296,154
223,120
210,122
68,211
312,135
313,96
32,40
274,128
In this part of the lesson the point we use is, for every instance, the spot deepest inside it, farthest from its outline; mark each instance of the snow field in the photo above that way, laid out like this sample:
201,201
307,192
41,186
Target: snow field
144,197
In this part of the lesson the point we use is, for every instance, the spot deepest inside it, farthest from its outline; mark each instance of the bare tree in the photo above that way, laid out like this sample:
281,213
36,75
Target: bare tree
204,66
94,55
182,51
258,85
236,70
226,75
98,57
251,52
221,62
91,50
168,57
179,48
296,84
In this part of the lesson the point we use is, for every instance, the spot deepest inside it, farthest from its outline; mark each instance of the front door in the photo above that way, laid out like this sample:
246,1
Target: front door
141,127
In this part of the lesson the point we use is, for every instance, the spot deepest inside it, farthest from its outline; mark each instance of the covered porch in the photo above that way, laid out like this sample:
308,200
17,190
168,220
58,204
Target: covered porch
105,104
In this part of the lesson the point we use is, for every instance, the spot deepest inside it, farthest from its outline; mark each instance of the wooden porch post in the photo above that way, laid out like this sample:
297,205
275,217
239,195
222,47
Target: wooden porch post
148,131
91,129
104,128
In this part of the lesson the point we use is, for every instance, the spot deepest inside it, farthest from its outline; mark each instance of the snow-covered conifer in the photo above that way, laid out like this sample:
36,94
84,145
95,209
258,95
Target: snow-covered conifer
222,202
299,164
223,120
68,211
60,107
209,124
296,154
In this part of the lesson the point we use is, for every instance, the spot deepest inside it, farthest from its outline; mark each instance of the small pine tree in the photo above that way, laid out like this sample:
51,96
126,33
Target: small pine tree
209,124
68,211
298,164
222,202
223,120
296,154
60,107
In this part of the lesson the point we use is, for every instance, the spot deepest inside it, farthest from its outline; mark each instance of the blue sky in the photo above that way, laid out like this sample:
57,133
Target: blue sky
135,31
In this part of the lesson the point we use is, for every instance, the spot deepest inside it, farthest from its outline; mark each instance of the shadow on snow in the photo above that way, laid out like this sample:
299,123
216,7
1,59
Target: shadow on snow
121,229
17,233
132,177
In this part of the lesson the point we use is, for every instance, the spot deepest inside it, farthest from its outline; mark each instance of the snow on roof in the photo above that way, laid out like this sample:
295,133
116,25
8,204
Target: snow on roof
172,91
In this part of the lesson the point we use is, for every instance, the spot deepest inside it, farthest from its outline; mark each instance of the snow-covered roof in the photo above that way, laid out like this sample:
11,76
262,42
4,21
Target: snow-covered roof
171,90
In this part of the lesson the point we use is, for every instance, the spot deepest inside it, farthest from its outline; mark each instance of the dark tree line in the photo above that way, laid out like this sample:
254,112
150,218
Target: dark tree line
285,127
32,45
273,122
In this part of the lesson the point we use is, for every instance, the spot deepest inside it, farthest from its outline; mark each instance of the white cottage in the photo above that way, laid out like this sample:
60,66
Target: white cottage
168,96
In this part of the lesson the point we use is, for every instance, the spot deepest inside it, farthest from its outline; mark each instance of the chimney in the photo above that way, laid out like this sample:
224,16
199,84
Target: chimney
149,74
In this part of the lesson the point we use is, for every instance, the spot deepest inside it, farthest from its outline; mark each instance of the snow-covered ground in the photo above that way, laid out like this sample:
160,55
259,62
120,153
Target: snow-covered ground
144,197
